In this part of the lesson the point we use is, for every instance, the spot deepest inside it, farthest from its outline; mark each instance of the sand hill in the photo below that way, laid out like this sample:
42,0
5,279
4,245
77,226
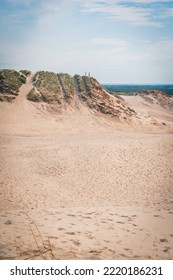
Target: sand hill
84,175
63,92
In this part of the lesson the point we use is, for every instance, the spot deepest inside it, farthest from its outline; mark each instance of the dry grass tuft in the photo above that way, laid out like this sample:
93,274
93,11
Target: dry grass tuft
43,248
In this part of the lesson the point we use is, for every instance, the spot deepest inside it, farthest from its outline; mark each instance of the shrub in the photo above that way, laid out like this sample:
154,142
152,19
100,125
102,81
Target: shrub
33,95
47,84
11,81
26,73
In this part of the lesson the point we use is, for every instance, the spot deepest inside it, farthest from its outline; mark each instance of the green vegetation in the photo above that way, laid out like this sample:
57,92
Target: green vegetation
26,73
22,78
11,81
88,82
67,83
47,85
85,84
80,83
77,80
57,88
34,95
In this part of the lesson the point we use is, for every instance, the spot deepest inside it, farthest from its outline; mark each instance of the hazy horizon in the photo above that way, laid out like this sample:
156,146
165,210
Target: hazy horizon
123,42
147,84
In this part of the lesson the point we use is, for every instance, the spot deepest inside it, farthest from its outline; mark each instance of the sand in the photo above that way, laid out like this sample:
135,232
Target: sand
76,185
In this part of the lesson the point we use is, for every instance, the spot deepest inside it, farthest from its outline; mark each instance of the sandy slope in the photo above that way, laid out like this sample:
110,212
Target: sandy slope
153,110
77,186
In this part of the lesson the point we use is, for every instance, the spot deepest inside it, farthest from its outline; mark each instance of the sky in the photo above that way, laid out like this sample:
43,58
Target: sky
127,41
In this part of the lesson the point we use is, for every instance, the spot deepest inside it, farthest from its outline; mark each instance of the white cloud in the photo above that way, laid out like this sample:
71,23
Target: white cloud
125,10
53,7
167,13
141,62
161,50
109,42
137,12
53,38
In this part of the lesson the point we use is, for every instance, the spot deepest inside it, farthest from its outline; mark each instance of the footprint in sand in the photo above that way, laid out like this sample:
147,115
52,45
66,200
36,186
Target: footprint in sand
70,233
163,240
8,222
54,237
166,249
123,255
90,237
136,257
75,242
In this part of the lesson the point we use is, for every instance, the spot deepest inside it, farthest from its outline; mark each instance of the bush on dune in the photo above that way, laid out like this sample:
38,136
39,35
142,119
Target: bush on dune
11,81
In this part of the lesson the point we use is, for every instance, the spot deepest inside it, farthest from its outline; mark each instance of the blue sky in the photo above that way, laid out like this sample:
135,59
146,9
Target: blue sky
127,41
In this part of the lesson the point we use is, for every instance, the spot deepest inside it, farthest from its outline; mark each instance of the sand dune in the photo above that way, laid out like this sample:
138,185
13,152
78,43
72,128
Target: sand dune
78,185
153,109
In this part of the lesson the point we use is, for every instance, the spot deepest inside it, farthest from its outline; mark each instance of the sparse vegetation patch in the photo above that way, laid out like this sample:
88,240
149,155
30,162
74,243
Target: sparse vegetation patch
46,84
10,83
26,73
80,83
67,82
34,95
